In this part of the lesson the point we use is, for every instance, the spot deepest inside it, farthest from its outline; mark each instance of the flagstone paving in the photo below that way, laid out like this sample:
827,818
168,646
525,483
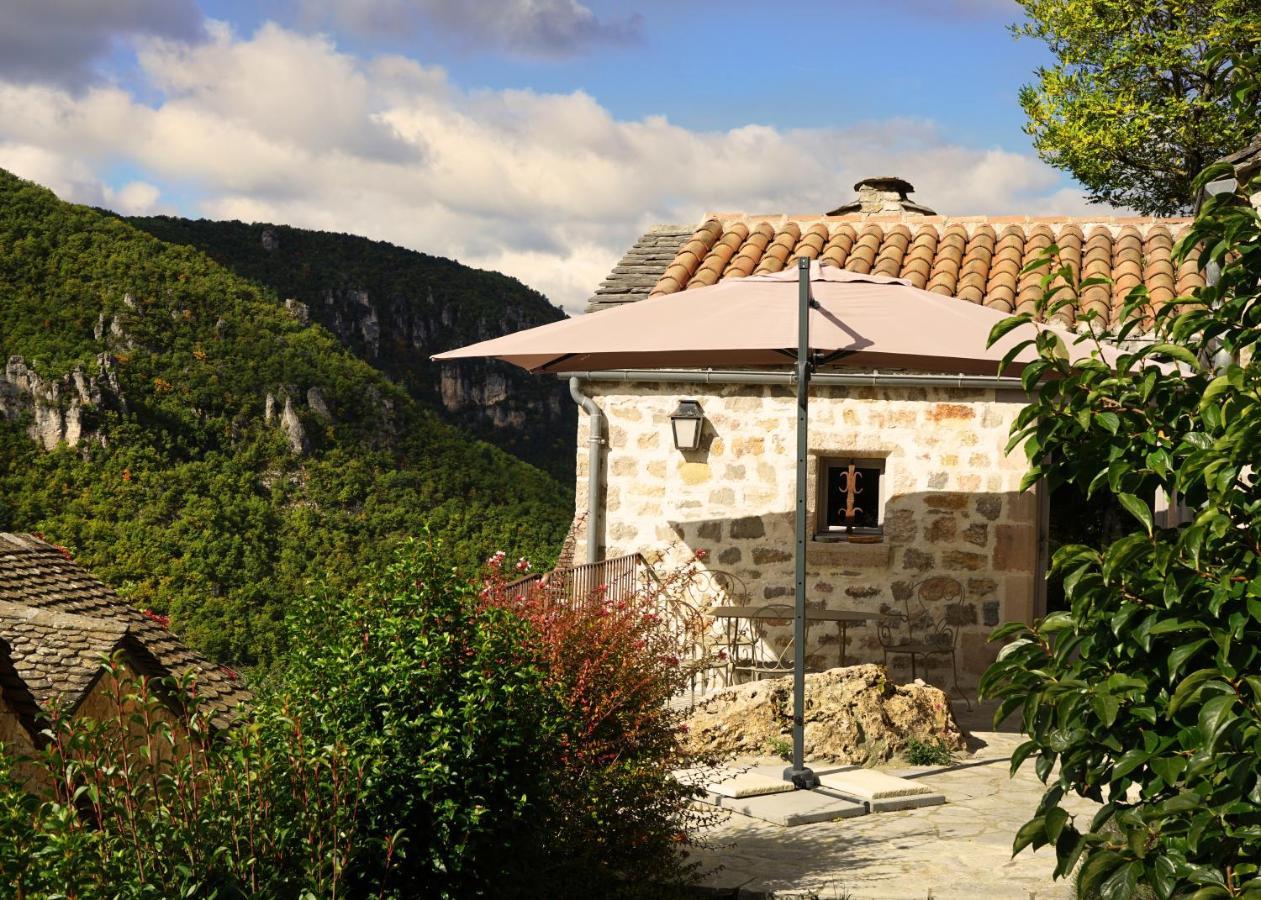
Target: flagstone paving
961,849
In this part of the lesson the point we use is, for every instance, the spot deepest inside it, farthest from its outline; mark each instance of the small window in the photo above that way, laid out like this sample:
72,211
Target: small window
851,503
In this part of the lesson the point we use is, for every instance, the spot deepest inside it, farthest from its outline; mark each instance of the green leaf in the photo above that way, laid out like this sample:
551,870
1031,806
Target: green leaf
1180,654
1216,715
1011,323
1055,820
1189,687
1181,354
1032,830
1129,761
1215,389
1106,707
1097,868
1137,508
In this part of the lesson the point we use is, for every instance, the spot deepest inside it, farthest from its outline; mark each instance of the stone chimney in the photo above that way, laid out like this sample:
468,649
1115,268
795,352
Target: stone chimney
883,194
1247,163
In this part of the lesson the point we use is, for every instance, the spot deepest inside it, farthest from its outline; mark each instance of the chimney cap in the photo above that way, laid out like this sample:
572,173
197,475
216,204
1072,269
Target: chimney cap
886,183
882,194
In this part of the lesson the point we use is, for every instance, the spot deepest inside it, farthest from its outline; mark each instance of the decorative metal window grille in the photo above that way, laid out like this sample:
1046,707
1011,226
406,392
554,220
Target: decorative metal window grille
852,497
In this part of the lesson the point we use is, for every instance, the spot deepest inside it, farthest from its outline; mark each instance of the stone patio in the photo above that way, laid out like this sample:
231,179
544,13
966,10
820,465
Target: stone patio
961,849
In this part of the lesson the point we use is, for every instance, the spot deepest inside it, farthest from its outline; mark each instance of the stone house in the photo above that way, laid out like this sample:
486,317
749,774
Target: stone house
943,495
57,623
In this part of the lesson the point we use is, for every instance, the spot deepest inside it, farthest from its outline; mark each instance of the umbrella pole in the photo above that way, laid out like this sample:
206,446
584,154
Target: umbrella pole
798,774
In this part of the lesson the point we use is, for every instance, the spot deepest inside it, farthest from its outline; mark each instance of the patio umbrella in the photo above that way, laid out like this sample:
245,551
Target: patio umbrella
868,321
834,316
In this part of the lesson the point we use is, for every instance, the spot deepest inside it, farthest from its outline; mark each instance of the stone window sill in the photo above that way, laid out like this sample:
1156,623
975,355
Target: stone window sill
824,551
841,537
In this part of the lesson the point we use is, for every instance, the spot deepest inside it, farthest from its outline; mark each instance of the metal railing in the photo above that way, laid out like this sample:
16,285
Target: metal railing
683,605
618,578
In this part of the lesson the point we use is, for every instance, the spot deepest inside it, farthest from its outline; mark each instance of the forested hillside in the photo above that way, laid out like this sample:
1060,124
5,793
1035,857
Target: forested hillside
224,452
394,308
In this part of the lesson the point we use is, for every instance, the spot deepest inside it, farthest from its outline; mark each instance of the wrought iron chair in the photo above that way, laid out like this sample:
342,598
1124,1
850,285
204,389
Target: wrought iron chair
919,634
703,590
764,655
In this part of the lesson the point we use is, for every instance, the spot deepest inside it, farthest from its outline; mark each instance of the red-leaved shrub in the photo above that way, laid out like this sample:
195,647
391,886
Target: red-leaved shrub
616,657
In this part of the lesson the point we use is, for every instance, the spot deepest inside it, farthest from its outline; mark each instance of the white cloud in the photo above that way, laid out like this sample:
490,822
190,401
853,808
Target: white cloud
70,179
550,188
135,198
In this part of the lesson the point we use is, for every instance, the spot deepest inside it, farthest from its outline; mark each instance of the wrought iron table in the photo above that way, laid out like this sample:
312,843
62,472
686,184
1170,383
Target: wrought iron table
733,615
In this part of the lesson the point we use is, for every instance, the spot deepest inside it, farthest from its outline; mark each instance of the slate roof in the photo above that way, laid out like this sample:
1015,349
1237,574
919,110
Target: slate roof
974,258
58,655
54,615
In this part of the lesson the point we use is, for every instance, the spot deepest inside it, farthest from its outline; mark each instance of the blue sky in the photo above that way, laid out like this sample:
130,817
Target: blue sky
537,137
708,66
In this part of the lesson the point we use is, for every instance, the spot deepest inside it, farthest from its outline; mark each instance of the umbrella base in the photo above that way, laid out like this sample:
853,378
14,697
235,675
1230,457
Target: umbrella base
803,779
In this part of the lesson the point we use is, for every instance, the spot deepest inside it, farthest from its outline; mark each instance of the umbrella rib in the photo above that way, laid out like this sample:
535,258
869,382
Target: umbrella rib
834,356
564,357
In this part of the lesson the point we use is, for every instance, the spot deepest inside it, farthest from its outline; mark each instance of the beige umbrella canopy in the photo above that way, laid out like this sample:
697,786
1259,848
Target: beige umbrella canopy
862,321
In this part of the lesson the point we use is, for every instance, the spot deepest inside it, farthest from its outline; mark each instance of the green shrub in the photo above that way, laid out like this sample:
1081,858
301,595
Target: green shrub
144,802
447,707
1145,695
781,747
933,752
422,739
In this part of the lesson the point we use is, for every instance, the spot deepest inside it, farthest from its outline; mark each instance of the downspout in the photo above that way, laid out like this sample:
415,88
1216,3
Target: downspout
595,440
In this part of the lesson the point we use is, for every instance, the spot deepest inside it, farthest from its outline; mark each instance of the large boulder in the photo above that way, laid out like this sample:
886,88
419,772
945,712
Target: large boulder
853,715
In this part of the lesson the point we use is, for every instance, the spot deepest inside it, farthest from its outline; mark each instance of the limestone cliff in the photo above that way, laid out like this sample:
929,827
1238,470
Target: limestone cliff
60,409
394,308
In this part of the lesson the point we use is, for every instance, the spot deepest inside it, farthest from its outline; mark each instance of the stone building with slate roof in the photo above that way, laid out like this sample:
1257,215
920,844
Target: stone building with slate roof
942,497
57,622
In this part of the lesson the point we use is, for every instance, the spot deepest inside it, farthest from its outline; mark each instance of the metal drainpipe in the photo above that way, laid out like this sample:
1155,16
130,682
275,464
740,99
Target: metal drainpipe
595,440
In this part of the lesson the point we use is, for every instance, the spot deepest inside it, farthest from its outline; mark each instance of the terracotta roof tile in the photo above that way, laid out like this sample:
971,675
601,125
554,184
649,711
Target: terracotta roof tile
862,256
945,275
39,577
892,250
978,259
841,241
1004,270
917,263
780,248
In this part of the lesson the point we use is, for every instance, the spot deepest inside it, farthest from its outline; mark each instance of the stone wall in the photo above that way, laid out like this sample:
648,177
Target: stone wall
17,744
952,505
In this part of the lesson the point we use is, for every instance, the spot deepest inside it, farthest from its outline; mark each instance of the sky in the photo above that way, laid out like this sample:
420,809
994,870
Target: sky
536,137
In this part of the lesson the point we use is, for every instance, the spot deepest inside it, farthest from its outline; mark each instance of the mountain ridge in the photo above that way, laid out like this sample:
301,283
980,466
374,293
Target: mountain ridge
178,488
393,308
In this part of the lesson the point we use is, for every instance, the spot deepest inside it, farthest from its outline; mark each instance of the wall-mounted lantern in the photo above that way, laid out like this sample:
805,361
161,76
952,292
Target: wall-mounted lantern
686,422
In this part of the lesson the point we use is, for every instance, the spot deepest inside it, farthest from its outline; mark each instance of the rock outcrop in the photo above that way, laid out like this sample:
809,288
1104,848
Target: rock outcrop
394,308
56,405
291,425
853,715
